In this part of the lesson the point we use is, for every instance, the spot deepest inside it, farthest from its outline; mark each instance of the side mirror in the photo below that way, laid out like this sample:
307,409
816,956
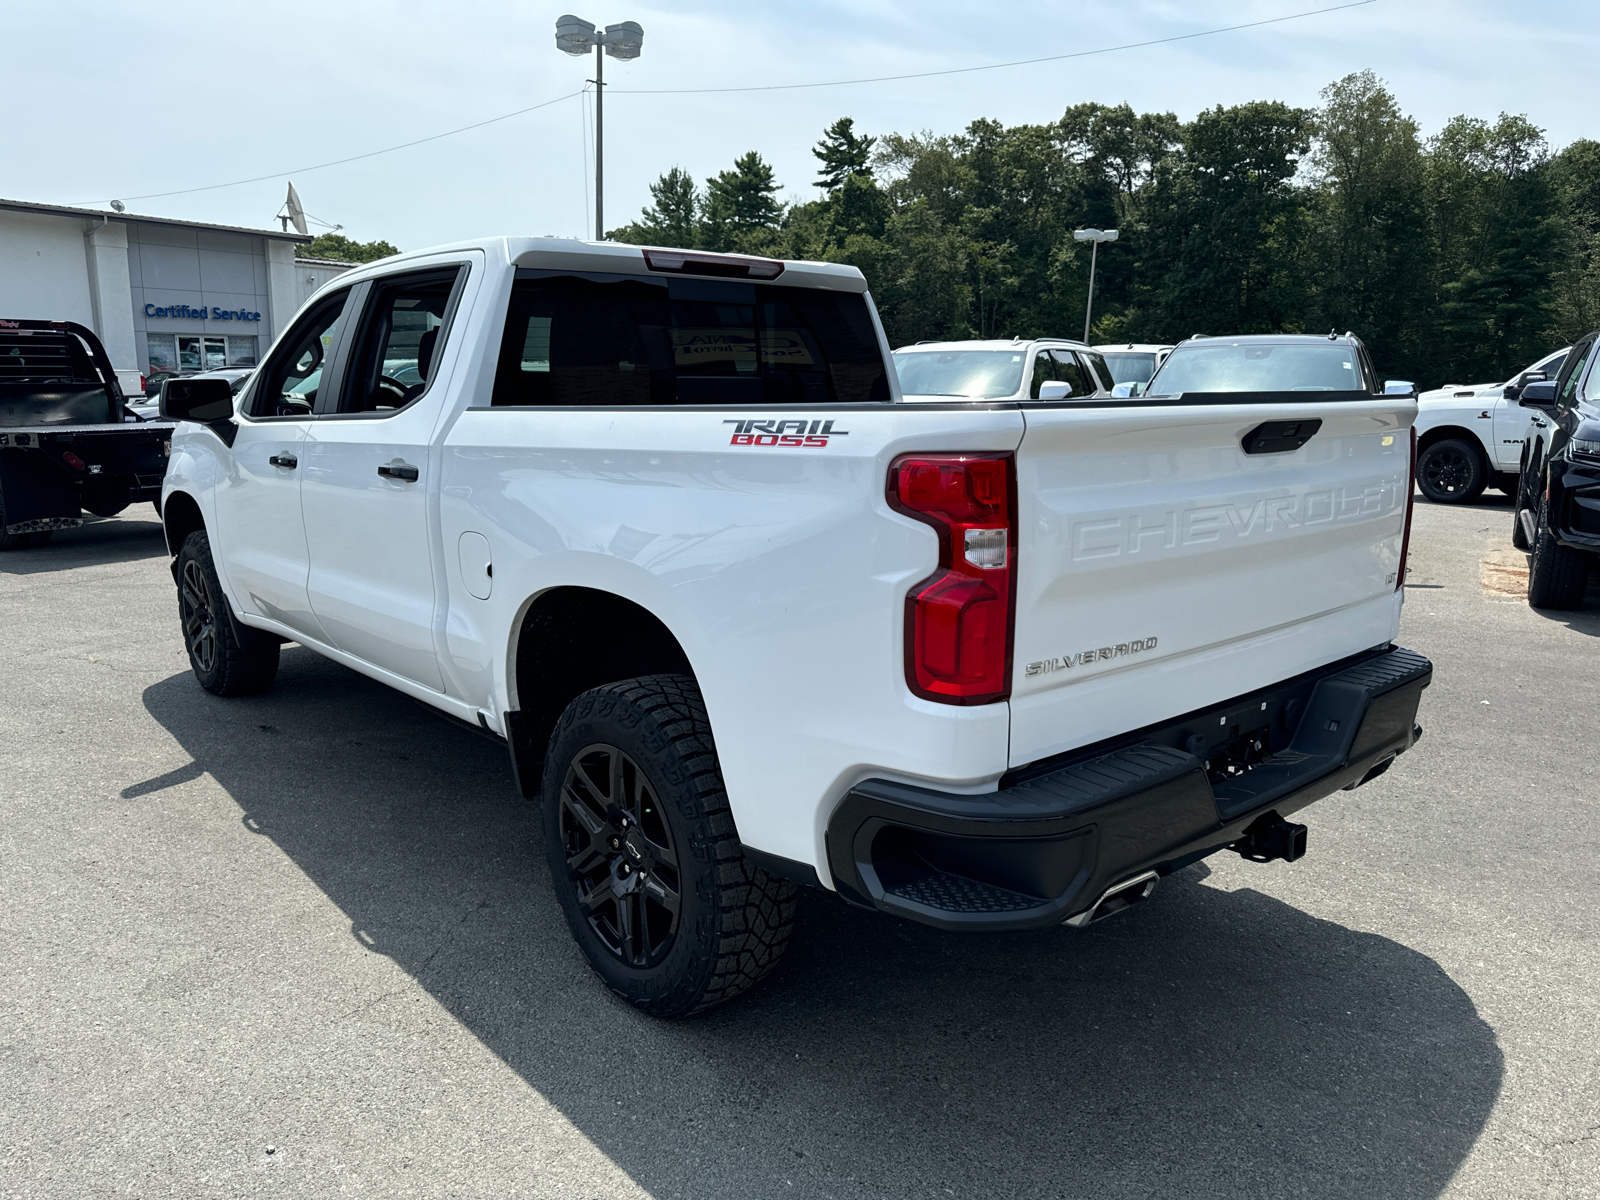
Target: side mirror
1054,390
1399,387
1540,394
202,400
1513,390
1124,390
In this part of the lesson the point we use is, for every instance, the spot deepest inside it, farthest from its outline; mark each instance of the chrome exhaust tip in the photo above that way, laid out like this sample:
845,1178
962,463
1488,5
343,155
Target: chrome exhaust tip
1116,898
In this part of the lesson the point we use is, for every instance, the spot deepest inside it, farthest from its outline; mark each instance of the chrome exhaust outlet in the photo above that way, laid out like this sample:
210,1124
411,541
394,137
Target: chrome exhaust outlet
1116,898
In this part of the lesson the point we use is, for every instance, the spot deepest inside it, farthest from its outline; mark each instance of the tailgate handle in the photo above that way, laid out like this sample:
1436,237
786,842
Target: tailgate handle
1279,437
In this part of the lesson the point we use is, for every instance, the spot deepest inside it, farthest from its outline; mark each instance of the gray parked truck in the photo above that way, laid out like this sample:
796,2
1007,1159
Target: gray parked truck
68,442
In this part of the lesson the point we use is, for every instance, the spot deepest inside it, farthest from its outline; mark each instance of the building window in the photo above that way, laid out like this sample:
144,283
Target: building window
241,351
161,352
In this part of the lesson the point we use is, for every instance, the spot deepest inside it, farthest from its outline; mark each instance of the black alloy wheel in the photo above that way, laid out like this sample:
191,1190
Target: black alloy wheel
621,861
228,658
197,612
1452,472
644,856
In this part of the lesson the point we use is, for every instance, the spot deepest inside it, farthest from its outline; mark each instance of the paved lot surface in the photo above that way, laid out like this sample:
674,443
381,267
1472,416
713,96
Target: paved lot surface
304,945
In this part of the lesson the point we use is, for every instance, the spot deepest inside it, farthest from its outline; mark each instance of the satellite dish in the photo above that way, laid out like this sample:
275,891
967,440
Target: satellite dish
295,215
119,206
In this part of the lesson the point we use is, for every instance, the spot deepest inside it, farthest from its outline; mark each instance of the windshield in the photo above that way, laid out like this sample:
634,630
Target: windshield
1257,367
1126,367
970,374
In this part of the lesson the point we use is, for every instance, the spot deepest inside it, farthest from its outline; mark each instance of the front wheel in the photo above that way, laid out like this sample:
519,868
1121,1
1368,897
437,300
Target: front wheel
1557,574
644,856
1452,471
228,659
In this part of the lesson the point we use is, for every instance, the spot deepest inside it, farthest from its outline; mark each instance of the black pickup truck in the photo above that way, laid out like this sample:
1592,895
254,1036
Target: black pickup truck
68,441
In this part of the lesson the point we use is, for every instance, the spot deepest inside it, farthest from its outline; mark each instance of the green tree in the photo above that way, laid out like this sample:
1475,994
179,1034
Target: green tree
673,218
1498,235
337,246
741,209
1575,286
1227,227
843,154
1372,257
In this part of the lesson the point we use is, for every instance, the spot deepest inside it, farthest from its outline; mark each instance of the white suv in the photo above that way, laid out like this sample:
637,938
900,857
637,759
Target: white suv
1039,369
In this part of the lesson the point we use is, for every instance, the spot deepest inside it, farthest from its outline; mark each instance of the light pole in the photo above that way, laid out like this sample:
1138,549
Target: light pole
1096,236
577,36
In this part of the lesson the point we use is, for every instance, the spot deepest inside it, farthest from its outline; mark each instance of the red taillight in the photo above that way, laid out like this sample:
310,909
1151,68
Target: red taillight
958,620
1411,495
72,460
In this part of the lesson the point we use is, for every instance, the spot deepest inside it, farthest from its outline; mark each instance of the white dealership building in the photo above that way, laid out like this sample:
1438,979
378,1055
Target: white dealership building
161,294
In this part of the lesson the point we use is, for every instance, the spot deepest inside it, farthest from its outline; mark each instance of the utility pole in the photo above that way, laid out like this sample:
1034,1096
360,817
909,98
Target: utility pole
599,141
575,36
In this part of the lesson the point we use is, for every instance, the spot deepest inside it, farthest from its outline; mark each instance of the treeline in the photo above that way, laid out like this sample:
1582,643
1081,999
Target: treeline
1458,257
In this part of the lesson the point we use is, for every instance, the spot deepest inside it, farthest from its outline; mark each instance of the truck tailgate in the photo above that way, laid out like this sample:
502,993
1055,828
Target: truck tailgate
1162,568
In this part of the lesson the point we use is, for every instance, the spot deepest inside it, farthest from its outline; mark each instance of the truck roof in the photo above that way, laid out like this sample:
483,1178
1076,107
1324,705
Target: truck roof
622,258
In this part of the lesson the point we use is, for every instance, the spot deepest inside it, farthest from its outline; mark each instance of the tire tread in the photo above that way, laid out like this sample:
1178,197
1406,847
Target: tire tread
755,910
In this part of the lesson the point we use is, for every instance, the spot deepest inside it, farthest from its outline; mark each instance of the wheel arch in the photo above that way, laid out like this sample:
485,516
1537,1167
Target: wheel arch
180,516
1445,433
567,640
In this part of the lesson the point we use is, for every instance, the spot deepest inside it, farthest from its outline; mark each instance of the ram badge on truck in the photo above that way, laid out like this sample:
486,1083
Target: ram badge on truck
746,619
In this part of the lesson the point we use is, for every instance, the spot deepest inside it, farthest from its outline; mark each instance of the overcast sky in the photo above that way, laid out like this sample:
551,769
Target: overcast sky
109,99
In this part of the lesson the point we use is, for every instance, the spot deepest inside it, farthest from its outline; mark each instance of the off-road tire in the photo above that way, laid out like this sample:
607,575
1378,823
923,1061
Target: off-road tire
1452,471
733,919
229,659
1557,575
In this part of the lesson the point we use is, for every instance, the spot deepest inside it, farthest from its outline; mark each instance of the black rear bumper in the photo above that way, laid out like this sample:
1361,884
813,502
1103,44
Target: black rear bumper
1053,837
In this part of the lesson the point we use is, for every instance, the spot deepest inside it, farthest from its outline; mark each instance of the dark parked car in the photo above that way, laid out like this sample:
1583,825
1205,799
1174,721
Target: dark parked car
1558,498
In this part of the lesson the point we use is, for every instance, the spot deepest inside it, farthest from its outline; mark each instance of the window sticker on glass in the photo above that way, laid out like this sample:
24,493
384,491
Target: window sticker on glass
787,348
715,348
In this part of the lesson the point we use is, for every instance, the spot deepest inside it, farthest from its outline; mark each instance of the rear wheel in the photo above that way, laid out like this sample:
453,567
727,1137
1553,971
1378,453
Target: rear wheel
1558,573
228,659
643,852
1452,471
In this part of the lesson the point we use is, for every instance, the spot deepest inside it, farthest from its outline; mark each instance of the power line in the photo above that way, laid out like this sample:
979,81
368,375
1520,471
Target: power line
1022,62
777,87
340,161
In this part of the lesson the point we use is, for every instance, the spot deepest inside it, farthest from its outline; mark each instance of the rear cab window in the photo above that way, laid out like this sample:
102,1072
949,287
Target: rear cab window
596,340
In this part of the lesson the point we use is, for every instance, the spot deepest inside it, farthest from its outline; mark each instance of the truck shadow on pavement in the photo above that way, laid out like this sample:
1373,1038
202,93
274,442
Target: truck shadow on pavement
1208,1043
97,542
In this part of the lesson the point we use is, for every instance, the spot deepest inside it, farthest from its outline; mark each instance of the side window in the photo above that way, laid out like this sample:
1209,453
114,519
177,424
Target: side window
400,342
605,341
1070,371
1572,371
1044,371
288,383
1099,369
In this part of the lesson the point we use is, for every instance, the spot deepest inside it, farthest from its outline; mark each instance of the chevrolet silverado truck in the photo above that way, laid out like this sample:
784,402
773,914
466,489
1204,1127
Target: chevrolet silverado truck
68,441
748,619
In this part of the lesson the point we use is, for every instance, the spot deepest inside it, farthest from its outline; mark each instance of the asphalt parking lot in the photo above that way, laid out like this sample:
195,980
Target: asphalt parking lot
304,945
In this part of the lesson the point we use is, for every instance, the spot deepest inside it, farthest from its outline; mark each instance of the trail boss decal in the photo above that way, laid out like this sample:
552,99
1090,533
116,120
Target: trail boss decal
1103,654
751,432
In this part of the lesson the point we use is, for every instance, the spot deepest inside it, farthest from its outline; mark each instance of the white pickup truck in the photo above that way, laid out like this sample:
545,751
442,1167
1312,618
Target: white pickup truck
747,619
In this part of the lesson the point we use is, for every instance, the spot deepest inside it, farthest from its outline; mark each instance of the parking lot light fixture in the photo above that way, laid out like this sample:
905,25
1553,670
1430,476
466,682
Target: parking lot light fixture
623,41
1095,237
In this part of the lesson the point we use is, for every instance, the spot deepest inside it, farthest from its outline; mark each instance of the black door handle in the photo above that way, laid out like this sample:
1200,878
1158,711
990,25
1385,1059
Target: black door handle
284,460
398,471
